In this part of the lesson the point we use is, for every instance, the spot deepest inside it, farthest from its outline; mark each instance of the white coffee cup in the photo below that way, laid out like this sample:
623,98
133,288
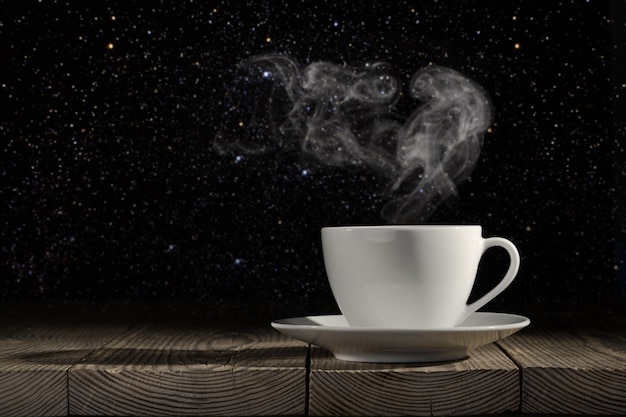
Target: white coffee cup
409,276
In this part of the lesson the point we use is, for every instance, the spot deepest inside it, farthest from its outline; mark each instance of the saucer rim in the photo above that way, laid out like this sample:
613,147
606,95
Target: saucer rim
520,323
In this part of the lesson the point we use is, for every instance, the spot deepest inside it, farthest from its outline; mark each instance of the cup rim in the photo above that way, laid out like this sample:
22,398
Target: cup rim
405,227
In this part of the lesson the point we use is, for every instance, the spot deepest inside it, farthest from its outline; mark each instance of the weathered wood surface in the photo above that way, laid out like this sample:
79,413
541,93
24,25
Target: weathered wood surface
38,345
571,370
485,383
192,366
131,361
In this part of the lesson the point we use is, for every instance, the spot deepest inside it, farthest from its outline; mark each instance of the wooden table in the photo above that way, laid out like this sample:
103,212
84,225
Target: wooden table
129,360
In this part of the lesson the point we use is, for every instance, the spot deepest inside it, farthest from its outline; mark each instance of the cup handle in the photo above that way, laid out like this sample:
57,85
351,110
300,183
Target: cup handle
508,277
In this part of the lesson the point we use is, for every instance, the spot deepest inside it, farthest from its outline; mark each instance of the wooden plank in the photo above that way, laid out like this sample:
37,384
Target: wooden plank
192,366
37,347
74,359
578,371
485,383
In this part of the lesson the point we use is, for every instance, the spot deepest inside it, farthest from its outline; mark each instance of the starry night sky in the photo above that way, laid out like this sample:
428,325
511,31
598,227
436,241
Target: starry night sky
112,187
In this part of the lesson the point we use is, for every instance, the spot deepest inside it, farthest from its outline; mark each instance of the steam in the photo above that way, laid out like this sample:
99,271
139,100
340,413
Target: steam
345,116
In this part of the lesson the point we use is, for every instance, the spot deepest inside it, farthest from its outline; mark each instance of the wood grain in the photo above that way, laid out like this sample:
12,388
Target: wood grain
579,371
177,365
485,383
37,348
133,361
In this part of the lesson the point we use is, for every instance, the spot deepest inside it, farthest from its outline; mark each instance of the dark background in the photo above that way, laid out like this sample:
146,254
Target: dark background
112,188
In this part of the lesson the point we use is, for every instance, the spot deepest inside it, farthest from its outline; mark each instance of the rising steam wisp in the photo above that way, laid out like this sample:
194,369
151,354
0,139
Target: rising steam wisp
344,116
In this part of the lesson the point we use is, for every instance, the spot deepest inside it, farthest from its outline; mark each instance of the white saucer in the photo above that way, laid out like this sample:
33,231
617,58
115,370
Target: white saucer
388,345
